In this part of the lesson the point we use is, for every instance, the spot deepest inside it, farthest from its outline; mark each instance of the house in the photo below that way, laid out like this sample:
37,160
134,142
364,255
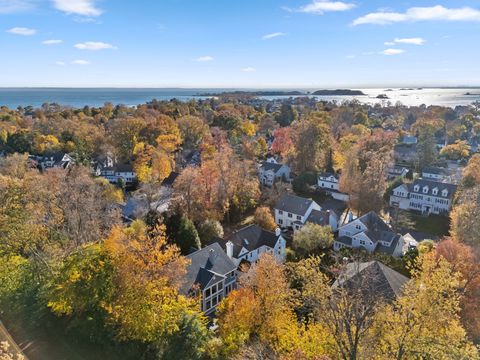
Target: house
397,171
270,172
425,196
371,233
55,161
119,173
374,278
330,183
248,243
211,275
405,153
409,139
435,173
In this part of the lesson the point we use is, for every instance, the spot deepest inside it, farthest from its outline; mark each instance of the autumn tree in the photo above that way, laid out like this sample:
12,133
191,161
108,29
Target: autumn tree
312,238
283,144
193,129
210,229
471,173
465,217
456,151
263,217
424,321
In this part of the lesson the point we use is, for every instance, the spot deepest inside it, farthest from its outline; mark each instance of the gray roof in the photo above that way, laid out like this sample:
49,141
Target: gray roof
375,277
328,174
388,249
377,229
344,240
266,166
435,170
431,185
319,217
207,266
250,237
293,204
405,148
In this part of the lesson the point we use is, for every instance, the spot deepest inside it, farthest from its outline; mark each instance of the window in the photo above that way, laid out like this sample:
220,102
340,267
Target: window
362,242
280,212
280,221
208,305
214,301
323,184
290,215
208,292
331,186
299,217
220,286
358,227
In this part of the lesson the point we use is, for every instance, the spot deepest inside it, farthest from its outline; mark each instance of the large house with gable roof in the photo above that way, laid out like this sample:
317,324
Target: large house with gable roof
293,211
371,233
270,172
425,196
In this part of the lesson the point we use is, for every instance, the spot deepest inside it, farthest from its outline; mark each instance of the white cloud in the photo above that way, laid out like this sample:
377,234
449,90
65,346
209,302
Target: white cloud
392,52
79,7
80,62
52,42
389,43
318,7
13,6
273,35
60,63
204,58
433,13
412,41
22,31
249,69
94,46
350,56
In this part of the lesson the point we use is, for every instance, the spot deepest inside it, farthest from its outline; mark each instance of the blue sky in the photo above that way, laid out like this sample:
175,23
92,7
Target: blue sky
239,43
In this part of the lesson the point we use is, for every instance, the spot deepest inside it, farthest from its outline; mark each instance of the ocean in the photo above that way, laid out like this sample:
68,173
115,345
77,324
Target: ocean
79,97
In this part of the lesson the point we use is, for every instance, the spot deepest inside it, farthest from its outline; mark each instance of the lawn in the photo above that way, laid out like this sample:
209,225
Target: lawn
433,224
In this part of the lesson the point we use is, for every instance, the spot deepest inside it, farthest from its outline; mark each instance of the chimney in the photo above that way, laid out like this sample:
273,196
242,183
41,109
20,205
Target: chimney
229,246
212,256
278,232
350,216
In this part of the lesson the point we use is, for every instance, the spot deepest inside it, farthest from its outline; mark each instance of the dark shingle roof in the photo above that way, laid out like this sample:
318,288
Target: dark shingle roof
375,277
319,217
378,230
344,240
251,238
435,170
293,204
266,166
432,184
207,266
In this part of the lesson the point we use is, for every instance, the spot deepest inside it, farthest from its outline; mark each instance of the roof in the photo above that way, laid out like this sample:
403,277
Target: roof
405,148
434,170
319,217
377,229
327,175
374,277
294,204
170,179
267,166
432,184
250,237
123,168
390,249
207,266
344,240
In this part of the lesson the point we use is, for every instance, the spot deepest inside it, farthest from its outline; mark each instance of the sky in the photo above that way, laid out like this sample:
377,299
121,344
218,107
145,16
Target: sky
239,43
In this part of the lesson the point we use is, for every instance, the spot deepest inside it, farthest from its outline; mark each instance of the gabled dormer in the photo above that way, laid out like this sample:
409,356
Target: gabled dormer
416,188
425,189
435,191
444,192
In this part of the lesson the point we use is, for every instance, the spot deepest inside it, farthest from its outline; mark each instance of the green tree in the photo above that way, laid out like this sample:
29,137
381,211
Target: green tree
312,238
426,147
187,236
209,229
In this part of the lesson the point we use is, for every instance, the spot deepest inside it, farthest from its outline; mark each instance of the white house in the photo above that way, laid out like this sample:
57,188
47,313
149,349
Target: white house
435,173
371,233
211,274
57,161
293,211
397,171
425,196
330,183
119,172
248,243
270,172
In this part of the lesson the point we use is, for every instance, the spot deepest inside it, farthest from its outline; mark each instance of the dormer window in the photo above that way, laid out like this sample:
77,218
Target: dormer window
435,191
425,189
444,192
416,188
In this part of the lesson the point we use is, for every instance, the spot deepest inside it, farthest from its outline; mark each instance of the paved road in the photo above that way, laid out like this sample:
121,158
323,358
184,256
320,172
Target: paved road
5,336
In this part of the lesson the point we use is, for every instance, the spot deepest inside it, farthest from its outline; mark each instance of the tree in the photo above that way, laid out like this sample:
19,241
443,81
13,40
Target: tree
283,144
187,236
456,151
193,130
6,354
312,141
426,147
312,238
465,217
286,116
264,218
208,230
423,322
471,173
465,260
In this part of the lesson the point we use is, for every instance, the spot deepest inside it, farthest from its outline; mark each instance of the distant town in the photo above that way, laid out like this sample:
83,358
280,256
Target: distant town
238,227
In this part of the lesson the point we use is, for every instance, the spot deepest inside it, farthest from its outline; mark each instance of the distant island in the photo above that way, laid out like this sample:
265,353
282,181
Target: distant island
471,94
382,96
337,92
